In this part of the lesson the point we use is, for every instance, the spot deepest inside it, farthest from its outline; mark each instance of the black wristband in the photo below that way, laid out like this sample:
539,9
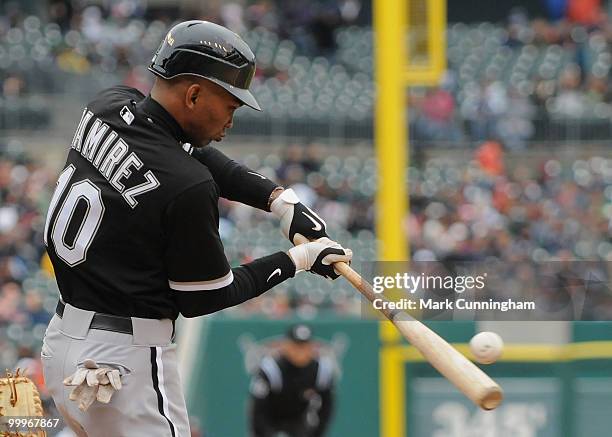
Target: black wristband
271,270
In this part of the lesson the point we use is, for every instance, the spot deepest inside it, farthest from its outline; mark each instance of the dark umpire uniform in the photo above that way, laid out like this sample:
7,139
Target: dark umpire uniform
132,232
293,398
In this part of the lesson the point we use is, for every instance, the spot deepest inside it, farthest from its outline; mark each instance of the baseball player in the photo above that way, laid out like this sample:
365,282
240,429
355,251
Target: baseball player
292,393
132,232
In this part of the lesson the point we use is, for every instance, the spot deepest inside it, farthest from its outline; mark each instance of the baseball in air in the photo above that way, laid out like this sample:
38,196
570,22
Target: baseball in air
487,347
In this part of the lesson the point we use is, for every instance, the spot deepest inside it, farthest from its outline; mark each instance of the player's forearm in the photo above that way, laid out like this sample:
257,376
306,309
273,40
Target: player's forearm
236,182
250,280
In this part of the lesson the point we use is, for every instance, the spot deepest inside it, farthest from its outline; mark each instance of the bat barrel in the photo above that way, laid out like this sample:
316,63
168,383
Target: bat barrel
491,398
453,365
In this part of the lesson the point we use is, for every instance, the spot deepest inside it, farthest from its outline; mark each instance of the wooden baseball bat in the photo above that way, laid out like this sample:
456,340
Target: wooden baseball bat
465,375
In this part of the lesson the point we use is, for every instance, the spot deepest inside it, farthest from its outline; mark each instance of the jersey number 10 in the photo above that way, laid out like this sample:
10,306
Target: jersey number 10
76,252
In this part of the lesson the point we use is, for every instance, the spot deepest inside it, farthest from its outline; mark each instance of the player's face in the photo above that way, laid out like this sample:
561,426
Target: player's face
211,112
299,354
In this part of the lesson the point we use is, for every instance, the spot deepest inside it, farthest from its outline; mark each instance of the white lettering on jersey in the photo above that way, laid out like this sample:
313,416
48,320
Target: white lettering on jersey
92,196
62,183
151,184
115,155
124,172
111,158
79,129
109,140
95,135
78,135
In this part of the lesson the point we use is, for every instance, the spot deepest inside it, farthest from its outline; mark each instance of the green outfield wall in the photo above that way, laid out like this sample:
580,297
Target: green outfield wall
551,390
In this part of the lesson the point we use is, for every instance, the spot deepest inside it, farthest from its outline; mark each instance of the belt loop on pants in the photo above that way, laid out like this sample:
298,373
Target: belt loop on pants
105,322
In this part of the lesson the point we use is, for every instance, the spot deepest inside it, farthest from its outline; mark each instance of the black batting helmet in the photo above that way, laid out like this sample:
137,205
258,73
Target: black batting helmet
210,51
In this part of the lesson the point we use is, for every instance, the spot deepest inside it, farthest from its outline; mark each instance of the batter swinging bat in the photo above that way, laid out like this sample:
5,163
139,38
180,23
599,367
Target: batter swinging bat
467,377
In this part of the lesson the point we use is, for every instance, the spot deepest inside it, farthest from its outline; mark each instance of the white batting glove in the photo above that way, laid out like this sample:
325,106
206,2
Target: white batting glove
92,382
296,218
318,257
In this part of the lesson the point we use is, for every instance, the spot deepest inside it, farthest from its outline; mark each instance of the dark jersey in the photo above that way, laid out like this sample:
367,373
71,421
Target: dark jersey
296,400
133,221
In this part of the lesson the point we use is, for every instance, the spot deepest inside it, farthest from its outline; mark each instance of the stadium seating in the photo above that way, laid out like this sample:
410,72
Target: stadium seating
321,96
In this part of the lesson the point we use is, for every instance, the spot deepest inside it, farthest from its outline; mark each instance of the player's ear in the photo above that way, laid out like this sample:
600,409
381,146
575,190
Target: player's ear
194,92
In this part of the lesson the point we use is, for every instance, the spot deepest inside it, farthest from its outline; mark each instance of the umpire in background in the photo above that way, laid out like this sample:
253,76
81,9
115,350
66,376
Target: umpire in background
292,393
132,232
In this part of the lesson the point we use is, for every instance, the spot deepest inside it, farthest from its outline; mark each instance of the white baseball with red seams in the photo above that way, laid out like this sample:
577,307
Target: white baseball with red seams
487,347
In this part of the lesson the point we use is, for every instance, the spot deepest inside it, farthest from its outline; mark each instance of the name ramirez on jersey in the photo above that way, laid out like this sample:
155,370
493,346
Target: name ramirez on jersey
108,153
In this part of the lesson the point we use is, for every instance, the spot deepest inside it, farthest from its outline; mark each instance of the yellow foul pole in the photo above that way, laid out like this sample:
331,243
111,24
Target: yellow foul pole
390,128
395,69
390,138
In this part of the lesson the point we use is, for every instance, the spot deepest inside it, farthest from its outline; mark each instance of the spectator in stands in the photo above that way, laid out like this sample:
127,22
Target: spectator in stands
483,108
515,126
436,118
584,11
232,16
322,27
33,308
313,157
349,10
597,90
293,157
61,12
570,101
10,311
262,13
12,86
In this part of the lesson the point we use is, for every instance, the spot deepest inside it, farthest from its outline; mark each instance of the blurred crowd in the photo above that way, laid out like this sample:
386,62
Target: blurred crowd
525,79
26,290
121,36
544,229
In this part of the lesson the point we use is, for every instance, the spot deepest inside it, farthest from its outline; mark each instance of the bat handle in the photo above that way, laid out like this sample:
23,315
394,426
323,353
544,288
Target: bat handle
300,239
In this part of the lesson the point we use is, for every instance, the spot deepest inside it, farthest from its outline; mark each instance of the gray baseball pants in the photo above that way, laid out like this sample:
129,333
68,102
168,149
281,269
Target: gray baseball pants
151,401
